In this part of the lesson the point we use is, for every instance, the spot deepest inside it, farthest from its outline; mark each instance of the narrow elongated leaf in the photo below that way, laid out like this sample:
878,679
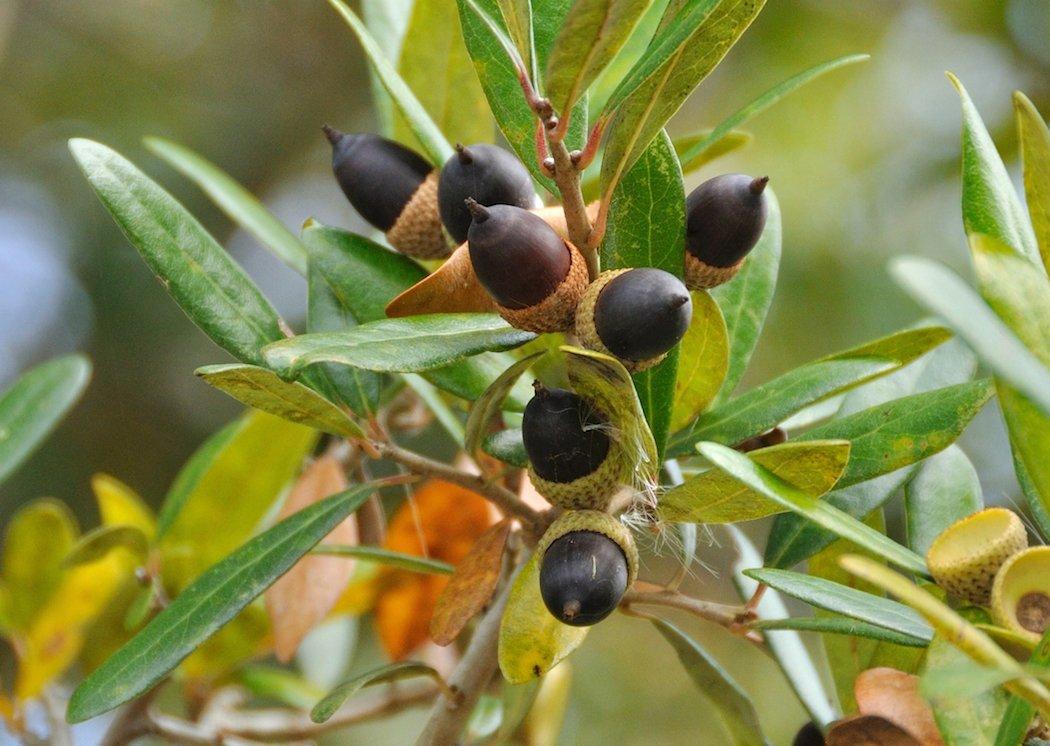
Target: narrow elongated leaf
434,144
387,22
202,278
593,33
408,345
332,701
432,400
989,203
1019,712
32,406
263,389
507,446
684,51
234,200
767,405
388,557
763,102
703,359
735,709
714,496
727,143
278,684
945,489
840,625
215,598
1034,137
548,19
827,516
517,19
849,602
192,472
491,402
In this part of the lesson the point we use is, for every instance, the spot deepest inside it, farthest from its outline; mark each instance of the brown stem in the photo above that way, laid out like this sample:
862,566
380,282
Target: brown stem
567,177
721,614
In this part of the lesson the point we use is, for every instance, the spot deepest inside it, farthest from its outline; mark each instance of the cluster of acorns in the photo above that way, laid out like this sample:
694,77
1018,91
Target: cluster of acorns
539,282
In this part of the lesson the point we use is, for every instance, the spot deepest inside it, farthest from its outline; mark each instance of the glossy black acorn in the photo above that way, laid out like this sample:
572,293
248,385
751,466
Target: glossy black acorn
583,577
392,188
809,735
535,277
637,315
725,217
487,174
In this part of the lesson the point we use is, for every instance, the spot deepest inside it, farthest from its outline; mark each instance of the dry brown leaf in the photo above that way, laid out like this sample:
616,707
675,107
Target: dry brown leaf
869,730
441,521
301,598
471,587
894,695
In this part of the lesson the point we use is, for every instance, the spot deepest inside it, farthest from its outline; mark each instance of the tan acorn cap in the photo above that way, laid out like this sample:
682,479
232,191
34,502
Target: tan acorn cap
590,492
588,334
600,522
556,312
418,231
699,275
965,557
1021,593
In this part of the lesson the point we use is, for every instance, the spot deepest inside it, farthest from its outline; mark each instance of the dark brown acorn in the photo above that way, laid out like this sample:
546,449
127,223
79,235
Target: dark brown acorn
588,560
809,735
724,220
392,188
636,315
487,174
572,460
534,275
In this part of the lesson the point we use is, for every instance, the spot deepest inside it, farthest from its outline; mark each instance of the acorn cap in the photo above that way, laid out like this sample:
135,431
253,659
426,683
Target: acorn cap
1021,593
636,315
965,557
488,174
725,217
599,522
535,276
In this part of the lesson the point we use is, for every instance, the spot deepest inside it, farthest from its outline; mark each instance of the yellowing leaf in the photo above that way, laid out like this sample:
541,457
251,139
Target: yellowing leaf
119,505
703,359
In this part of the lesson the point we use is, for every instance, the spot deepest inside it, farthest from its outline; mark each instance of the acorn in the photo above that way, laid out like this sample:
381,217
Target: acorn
636,315
534,275
809,734
393,188
588,560
1021,593
965,557
724,220
573,461
489,175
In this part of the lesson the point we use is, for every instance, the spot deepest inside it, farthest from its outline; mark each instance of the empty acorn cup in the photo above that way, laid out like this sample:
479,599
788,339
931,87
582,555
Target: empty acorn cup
1021,593
965,557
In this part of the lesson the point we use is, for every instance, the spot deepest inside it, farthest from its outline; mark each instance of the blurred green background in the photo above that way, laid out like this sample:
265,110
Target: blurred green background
865,163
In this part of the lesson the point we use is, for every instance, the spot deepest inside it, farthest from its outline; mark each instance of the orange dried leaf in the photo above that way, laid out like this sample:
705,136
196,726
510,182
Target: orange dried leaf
301,598
894,695
869,730
471,586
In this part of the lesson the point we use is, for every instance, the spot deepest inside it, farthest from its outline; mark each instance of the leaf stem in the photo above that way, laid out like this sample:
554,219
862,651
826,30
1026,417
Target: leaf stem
567,177
723,615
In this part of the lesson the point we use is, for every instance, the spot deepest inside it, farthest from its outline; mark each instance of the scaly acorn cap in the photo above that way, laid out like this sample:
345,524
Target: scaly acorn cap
636,315
1021,593
535,277
488,174
573,462
392,188
965,557
725,217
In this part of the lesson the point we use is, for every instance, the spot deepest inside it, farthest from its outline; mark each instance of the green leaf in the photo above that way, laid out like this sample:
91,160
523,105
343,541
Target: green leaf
726,144
818,511
735,709
332,701
280,685
548,19
387,22
849,602
489,405
989,203
1014,724
945,489
517,19
714,496
508,447
32,406
840,625
263,389
1034,137
193,471
681,55
434,144
703,359
745,299
406,345
234,200
387,557
647,229
214,599
96,544
453,98
942,292
202,278
765,406
698,149
593,33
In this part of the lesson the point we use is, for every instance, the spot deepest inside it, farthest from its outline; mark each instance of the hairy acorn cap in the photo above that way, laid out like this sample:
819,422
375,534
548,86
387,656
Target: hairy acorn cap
1021,593
600,522
965,557
485,173
536,277
392,188
573,461
636,315
725,217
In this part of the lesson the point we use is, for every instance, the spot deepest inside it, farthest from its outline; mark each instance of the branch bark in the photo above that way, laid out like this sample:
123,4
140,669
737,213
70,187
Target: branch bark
732,618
